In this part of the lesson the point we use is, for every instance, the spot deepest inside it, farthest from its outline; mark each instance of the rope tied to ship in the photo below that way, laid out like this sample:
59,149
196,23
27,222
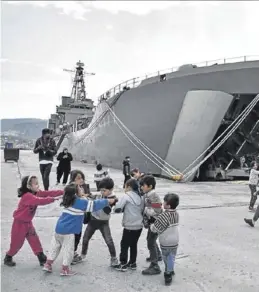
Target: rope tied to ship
160,163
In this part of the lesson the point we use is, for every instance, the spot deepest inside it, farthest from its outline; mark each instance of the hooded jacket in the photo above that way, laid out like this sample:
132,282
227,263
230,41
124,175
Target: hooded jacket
153,206
132,206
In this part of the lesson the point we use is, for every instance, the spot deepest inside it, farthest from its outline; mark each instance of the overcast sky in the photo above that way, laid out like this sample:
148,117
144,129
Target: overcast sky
116,40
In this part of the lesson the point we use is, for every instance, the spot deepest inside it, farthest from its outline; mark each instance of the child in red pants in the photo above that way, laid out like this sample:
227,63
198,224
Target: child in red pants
22,228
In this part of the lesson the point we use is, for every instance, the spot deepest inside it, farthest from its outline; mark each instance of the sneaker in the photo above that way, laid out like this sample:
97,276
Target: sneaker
57,183
132,266
251,209
114,262
47,267
83,256
153,269
159,259
63,184
121,267
77,259
8,261
66,271
249,222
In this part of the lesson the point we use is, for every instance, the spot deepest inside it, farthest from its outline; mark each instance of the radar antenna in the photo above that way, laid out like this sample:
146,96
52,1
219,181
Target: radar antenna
78,92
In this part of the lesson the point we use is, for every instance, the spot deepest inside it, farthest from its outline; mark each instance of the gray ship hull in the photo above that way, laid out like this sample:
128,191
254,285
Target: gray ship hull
176,118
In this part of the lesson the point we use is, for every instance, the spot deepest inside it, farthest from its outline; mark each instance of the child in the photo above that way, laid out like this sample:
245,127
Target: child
166,226
100,221
253,181
69,223
78,177
251,222
135,173
22,228
99,175
132,206
153,207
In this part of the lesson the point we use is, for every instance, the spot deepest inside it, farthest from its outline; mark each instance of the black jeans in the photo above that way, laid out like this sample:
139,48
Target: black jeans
253,195
126,178
77,240
45,170
63,172
129,241
104,228
152,246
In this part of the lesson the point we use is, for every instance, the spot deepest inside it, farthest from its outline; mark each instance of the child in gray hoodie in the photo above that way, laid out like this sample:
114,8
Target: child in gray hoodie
132,206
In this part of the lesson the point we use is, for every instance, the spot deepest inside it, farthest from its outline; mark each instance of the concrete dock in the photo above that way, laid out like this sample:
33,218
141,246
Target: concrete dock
217,251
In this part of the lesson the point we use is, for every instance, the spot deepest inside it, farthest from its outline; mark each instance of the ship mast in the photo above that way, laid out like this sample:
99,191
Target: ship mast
78,92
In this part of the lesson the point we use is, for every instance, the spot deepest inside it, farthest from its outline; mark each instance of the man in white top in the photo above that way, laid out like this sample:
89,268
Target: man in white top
45,146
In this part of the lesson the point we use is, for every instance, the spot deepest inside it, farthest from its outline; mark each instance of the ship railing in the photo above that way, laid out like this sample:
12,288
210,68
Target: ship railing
135,82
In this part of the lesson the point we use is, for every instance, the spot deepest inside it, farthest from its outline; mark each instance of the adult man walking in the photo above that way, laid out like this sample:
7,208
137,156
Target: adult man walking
45,146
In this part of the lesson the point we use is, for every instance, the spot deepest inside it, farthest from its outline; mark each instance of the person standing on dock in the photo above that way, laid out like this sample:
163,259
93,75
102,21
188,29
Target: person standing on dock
64,166
126,169
99,175
45,146
253,182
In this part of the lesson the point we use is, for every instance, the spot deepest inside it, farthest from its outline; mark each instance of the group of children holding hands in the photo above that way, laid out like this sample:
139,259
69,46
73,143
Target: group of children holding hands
140,205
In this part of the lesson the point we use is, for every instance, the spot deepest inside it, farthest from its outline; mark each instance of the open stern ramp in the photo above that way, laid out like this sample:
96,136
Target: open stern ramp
201,115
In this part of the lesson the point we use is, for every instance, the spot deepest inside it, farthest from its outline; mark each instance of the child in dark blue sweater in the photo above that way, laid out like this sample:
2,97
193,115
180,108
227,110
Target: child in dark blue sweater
70,223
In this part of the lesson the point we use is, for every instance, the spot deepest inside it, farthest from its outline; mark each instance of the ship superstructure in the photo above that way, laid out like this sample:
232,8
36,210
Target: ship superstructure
76,111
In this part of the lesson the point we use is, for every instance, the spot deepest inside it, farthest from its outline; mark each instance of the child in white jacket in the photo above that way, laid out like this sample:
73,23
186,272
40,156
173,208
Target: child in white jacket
132,206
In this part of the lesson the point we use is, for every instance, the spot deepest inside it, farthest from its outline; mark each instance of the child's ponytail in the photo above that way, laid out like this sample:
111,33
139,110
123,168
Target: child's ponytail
23,188
69,196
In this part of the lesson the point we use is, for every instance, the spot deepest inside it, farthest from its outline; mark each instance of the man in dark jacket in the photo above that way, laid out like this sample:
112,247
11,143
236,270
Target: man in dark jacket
64,166
126,169
45,146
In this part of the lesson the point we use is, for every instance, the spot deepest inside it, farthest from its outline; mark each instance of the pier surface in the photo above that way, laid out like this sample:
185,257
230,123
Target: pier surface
217,251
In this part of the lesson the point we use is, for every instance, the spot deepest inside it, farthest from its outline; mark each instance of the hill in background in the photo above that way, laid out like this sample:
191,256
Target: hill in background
21,132
27,128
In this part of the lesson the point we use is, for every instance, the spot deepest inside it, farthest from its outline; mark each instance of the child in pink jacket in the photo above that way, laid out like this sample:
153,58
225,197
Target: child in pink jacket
22,228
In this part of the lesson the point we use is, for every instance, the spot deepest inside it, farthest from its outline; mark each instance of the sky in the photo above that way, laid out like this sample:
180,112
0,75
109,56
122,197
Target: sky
116,40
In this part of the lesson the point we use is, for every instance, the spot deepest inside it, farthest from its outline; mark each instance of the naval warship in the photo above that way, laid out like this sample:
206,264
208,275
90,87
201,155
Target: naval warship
201,120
